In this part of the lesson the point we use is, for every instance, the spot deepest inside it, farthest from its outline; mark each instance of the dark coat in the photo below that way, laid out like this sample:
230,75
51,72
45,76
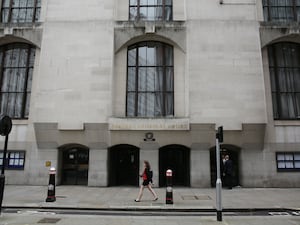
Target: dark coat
228,167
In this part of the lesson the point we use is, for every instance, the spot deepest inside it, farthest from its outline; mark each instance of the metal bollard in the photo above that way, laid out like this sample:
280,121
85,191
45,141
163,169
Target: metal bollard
169,190
2,183
51,187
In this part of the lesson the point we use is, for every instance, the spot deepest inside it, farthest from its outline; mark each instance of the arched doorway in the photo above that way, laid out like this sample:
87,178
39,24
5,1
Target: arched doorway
176,158
75,164
234,154
123,165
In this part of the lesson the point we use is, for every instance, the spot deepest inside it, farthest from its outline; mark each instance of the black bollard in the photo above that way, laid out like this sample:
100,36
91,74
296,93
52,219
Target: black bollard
169,190
51,187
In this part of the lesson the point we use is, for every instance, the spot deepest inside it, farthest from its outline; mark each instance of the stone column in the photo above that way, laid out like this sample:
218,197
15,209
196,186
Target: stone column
200,166
98,173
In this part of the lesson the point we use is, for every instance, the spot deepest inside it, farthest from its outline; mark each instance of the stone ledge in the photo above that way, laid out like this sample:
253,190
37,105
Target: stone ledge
149,124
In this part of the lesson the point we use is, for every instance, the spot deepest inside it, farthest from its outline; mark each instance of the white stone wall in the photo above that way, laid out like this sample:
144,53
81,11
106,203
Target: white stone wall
80,78
225,64
76,64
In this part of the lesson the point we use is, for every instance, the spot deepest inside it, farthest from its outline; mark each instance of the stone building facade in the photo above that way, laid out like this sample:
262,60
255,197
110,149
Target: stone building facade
96,87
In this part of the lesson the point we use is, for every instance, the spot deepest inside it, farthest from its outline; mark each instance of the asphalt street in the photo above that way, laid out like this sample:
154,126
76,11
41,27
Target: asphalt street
31,217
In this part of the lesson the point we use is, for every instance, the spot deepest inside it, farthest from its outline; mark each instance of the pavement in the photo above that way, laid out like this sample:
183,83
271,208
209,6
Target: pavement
122,198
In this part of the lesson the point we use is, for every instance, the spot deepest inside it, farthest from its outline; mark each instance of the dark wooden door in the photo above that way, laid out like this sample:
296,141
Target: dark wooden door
124,165
176,158
75,167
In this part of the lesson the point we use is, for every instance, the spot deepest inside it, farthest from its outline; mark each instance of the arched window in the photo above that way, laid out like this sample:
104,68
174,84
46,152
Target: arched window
151,10
150,80
20,11
16,66
284,65
281,10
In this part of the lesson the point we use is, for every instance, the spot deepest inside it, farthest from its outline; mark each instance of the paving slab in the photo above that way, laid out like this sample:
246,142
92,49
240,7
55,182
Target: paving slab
83,197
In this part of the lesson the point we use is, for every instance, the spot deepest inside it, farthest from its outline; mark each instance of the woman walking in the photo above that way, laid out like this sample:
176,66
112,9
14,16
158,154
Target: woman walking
147,182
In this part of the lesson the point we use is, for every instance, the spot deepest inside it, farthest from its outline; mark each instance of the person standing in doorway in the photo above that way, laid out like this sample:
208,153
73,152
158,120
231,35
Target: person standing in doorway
228,172
147,182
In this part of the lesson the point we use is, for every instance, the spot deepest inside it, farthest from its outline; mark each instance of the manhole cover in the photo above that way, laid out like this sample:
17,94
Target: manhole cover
196,197
60,196
49,220
203,197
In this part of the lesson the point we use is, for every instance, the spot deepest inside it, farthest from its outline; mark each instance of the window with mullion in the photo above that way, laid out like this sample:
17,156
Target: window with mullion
284,66
281,10
20,11
288,161
150,10
150,85
16,77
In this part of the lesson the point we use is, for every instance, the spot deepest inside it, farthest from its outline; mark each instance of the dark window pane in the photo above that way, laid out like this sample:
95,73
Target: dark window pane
5,15
169,104
130,104
26,113
169,56
30,3
23,3
143,13
150,104
15,16
168,13
151,10
133,13
142,56
159,104
29,15
169,79
131,79
5,3
16,3
142,105
144,2
159,80
132,57
29,80
297,79
275,106
32,57
37,14
151,13
133,2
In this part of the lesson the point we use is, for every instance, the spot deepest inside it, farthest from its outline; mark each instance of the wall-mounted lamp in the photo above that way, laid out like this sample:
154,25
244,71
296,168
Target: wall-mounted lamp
221,1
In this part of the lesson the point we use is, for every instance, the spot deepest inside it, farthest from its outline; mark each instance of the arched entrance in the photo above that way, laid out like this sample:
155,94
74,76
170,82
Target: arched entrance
123,165
176,158
234,153
75,164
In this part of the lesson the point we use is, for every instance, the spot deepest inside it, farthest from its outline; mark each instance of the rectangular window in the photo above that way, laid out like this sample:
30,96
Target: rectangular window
150,10
288,161
20,11
14,159
281,10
